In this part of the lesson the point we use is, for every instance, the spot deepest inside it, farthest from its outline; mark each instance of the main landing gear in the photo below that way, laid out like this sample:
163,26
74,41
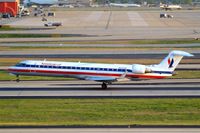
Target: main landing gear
17,80
104,86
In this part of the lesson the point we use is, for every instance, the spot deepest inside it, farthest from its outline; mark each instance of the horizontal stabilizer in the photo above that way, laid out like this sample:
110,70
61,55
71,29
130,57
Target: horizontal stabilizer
181,53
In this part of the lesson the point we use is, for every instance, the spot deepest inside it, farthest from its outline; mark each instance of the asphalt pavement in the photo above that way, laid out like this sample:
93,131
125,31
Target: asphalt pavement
36,44
101,130
148,88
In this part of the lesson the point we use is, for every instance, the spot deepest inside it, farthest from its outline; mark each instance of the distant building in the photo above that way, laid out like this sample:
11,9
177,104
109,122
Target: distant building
9,6
196,2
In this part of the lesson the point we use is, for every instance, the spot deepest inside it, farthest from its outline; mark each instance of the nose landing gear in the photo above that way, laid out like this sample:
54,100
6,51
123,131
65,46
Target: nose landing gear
17,80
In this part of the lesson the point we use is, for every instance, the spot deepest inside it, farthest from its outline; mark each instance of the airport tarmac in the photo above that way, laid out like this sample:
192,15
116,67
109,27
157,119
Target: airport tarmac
35,44
113,19
77,88
101,130
100,25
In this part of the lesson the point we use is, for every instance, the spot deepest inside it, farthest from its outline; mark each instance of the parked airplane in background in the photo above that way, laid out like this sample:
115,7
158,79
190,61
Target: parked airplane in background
170,7
105,73
124,5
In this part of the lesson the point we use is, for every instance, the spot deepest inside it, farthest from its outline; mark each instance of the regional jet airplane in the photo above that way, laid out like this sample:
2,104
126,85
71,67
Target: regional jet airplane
124,5
43,2
105,73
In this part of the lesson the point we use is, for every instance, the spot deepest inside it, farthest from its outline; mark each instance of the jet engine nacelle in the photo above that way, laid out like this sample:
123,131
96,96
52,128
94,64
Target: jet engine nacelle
140,69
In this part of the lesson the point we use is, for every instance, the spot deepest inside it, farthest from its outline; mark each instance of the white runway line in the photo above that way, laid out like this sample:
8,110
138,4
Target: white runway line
136,19
94,16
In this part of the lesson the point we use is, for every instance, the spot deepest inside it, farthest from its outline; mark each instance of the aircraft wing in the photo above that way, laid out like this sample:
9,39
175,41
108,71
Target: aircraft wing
108,79
101,79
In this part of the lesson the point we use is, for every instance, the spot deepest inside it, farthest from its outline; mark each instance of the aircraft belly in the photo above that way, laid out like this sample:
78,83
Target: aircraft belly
148,76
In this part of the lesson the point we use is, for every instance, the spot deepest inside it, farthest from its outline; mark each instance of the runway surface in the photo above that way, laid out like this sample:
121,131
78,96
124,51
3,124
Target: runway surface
35,44
103,130
149,88
104,55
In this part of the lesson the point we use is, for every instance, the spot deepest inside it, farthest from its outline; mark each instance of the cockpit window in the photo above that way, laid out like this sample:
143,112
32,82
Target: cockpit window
20,65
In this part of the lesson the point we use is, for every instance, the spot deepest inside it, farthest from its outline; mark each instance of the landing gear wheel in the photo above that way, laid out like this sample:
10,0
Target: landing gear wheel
17,80
104,86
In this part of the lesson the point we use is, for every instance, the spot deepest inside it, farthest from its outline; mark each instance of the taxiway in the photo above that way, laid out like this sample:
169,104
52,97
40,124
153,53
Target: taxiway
148,88
108,25
102,130
86,54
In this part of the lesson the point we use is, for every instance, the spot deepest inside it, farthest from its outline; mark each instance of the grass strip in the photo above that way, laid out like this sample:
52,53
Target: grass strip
8,28
13,35
24,35
186,74
100,111
92,48
183,41
4,75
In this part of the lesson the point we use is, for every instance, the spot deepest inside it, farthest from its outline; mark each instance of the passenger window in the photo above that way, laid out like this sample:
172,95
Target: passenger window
20,65
129,70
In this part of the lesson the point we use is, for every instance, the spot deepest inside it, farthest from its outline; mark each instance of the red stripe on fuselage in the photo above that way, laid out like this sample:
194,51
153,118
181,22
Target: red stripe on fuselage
84,73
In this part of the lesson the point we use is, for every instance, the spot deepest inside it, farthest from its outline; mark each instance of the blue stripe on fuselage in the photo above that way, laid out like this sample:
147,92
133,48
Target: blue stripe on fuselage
162,72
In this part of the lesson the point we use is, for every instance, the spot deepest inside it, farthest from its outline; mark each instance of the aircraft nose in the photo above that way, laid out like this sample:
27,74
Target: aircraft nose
10,69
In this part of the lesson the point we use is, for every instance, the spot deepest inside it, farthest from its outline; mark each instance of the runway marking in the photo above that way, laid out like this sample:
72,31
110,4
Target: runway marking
136,19
94,16
108,21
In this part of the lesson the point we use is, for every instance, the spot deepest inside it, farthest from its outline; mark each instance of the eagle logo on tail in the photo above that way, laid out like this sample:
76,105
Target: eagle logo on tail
170,62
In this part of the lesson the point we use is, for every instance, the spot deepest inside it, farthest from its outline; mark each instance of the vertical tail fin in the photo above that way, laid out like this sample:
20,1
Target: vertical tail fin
172,60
